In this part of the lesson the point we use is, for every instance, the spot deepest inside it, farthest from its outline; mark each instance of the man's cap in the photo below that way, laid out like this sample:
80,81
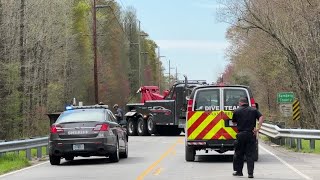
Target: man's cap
116,105
243,100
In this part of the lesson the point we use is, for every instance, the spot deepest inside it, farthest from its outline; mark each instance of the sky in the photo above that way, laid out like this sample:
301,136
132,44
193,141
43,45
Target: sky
188,34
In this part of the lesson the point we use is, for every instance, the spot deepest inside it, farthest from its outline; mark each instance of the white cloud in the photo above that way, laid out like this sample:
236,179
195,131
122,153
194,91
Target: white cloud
198,45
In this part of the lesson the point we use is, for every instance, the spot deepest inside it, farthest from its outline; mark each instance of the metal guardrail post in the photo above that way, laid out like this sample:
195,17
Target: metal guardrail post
312,144
299,144
39,152
28,154
47,150
292,143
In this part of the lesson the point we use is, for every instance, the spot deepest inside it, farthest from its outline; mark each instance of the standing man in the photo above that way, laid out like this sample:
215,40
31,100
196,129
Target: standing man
119,113
245,117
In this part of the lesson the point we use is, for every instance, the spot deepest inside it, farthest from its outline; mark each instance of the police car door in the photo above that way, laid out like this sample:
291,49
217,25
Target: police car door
230,99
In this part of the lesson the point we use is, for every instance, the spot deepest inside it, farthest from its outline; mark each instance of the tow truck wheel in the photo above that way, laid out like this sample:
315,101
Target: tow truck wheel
132,127
151,126
190,153
142,127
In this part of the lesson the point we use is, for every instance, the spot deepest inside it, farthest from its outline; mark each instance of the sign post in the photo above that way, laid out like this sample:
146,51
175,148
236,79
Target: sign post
285,100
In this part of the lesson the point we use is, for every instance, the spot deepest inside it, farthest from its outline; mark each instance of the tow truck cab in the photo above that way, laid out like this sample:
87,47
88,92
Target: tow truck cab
208,122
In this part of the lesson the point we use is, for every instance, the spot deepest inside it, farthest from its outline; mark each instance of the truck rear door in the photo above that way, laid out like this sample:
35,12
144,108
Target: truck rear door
204,118
209,116
230,101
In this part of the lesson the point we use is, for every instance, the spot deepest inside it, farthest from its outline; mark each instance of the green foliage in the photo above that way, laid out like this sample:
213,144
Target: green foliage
11,162
58,58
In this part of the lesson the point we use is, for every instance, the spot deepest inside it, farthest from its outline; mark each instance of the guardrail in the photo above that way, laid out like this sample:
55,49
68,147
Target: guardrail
25,145
289,136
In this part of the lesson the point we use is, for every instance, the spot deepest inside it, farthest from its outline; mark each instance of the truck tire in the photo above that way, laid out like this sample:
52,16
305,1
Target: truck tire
142,127
132,127
151,125
190,153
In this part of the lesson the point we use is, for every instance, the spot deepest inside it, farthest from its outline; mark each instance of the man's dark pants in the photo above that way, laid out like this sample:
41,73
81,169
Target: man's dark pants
244,145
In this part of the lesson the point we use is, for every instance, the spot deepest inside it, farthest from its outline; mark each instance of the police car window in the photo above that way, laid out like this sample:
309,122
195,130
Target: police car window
207,100
231,98
81,116
112,117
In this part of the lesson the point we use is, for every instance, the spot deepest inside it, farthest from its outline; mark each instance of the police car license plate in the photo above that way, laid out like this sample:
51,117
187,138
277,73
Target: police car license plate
232,123
78,147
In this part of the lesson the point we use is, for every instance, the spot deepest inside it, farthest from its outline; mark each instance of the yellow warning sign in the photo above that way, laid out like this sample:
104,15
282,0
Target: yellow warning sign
296,110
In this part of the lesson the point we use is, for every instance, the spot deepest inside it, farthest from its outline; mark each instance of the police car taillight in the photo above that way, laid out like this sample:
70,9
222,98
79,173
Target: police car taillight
101,127
56,129
190,103
253,103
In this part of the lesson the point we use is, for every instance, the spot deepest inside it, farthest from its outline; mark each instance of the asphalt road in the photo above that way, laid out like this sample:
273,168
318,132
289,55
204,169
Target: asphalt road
162,158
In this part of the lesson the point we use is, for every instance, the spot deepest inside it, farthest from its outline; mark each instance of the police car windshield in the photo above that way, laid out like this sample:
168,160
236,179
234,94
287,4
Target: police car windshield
91,115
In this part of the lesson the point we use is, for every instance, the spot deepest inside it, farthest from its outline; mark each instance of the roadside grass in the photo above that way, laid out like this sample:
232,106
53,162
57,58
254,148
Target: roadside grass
264,138
14,161
305,145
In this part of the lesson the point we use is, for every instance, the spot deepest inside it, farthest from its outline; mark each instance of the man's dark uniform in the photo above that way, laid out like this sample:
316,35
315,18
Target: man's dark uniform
245,117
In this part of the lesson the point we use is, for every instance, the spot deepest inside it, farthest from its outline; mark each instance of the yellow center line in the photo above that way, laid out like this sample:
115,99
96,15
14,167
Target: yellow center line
157,171
150,168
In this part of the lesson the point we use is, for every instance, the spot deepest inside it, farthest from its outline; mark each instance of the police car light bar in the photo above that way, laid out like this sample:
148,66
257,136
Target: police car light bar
193,81
88,107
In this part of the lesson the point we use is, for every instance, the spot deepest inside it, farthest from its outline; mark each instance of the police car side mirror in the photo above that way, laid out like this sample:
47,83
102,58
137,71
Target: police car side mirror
257,106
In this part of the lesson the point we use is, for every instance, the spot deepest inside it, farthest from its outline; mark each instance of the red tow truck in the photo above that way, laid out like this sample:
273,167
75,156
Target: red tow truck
163,114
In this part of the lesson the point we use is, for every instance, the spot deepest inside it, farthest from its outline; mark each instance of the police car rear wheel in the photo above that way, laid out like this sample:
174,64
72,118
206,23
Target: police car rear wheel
54,160
190,154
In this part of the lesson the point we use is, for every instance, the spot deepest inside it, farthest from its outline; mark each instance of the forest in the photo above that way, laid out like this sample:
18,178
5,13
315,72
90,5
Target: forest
47,59
275,47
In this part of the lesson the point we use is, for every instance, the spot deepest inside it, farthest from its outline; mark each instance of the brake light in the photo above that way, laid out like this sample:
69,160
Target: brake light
56,129
189,106
101,127
253,103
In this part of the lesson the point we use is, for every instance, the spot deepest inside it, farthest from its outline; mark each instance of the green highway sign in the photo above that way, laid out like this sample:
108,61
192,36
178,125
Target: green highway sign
285,97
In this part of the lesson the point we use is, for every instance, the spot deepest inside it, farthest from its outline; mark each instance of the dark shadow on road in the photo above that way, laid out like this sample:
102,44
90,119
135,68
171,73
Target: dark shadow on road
214,158
100,160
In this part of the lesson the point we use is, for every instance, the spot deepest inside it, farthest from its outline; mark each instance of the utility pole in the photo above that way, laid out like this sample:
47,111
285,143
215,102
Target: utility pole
169,74
139,44
159,67
95,68
176,73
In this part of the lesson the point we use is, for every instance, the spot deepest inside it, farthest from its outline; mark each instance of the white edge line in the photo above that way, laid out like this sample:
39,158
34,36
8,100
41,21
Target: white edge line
14,172
285,163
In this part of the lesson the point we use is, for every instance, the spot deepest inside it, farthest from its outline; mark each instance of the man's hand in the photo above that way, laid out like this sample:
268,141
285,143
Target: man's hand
255,131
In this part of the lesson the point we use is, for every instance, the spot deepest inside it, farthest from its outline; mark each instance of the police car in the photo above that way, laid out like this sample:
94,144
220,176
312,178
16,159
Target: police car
208,122
87,131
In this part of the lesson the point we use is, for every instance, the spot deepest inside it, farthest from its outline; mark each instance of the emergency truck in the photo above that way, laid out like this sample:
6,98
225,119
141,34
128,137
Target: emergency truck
160,114
209,123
